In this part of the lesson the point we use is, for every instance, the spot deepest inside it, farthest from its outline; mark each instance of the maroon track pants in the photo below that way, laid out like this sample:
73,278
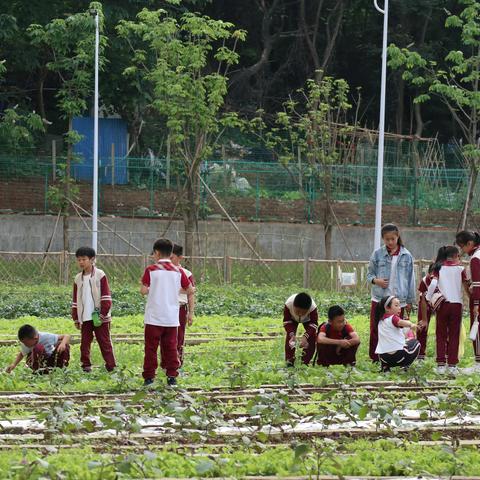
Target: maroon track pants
331,355
476,342
102,334
166,338
307,352
39,360
374,331
181,332
449,320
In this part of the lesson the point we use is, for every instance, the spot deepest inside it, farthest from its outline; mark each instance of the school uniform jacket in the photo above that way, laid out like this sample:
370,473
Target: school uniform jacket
474,277
102,298
309,321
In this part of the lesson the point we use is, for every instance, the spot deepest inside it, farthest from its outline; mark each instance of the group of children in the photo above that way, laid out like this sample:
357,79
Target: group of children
170,305
394,340
170,291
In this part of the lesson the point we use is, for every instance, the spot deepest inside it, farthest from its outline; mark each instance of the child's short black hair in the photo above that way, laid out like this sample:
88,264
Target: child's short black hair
85,252
164,246
26,332
302,300
335,311
177,250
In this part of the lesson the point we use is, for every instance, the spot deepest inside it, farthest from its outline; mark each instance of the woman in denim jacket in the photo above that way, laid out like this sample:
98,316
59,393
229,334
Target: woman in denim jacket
390,272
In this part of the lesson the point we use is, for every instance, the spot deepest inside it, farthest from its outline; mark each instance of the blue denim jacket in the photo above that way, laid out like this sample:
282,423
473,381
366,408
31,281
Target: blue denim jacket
380,266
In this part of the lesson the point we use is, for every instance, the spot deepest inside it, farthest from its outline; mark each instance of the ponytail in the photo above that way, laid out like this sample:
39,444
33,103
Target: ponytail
445,252
392,228
465,236
380,308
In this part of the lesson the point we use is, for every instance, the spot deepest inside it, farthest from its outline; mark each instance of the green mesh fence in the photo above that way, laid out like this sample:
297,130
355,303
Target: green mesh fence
420,187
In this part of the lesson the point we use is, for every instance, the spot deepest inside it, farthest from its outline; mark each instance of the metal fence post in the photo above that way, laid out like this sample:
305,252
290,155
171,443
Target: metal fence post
306,272
66,267
227,269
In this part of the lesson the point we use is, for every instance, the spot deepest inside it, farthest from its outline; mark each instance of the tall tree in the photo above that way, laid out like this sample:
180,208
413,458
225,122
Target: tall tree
191,57
453,79
70,43
316,124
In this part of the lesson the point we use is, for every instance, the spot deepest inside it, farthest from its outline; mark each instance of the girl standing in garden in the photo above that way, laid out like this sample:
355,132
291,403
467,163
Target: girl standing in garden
446,296
469,242
390,272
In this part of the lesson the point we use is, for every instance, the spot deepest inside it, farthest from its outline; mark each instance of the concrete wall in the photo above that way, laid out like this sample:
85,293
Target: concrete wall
23,233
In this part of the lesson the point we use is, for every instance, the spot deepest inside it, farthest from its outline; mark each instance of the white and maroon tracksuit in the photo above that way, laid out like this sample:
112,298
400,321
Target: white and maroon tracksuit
422,335
449,281
310,324
183,299
474,277
102,299
164,280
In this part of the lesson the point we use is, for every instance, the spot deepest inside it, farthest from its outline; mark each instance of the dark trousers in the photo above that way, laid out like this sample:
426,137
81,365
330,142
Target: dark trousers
181,332
449,321
476,342
333,355
307,352
401,358
39,360
102,334
422,335
166,338
374,331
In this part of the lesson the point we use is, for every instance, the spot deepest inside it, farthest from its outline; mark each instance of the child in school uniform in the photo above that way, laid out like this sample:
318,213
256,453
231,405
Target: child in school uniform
393,347
337,341
469,242
424,312
300,309
43,351
445,294
91,309
162,283
187,302
390,272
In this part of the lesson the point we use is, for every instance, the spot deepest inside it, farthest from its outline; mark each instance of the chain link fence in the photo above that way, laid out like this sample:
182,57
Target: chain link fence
59,268
427,191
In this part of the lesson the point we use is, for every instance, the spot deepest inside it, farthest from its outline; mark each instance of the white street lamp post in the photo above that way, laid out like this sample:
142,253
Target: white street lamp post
381,137
95,143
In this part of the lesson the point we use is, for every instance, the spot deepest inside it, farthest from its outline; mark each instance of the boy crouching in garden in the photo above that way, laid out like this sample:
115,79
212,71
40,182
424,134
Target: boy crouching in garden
43,351
337,342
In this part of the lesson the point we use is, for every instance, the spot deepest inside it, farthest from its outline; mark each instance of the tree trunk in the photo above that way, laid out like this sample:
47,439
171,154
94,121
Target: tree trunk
40,97
400,105
327,215
190,216
472,182
66,207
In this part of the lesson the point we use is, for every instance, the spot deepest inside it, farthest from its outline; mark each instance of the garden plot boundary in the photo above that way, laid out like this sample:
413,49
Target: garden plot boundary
58,268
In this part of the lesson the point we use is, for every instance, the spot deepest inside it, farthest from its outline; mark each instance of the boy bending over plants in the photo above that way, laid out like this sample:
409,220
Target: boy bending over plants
43,351
300,309
337,340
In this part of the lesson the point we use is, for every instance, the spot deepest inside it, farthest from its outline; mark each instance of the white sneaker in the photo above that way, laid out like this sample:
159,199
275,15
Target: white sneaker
453,371
441,370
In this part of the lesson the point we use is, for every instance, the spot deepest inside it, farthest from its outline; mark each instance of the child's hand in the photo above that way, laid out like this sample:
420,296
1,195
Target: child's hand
77,325
421,325
10,368
190,319
61,347
292,342
303,342
382,282
345,344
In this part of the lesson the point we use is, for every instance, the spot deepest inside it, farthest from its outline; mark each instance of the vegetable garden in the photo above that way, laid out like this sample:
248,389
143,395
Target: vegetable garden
237,411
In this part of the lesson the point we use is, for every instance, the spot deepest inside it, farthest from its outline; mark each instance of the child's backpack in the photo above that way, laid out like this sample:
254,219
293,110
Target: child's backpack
345,334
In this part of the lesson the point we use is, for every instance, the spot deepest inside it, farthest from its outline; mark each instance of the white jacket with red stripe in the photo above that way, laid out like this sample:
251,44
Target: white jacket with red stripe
102,297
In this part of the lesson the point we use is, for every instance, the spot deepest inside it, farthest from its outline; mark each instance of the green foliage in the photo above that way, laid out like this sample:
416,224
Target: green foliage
70,45
234,301
18,129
